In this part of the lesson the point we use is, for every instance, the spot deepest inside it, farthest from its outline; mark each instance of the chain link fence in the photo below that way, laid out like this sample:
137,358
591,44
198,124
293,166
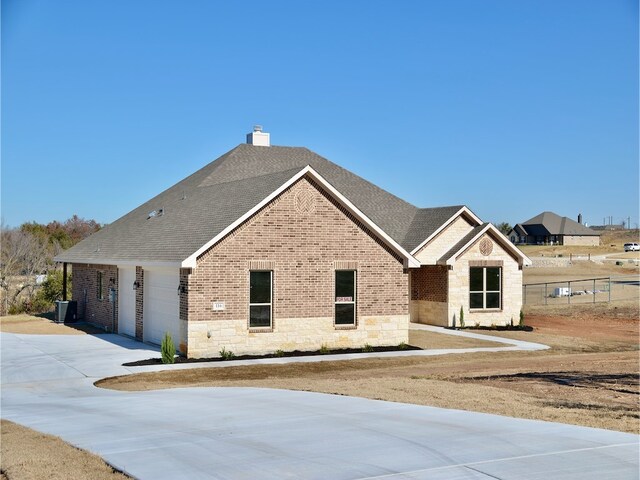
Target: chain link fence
582,291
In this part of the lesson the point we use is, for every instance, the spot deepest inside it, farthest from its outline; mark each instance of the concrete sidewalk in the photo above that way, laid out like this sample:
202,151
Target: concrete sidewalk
237,433
510,346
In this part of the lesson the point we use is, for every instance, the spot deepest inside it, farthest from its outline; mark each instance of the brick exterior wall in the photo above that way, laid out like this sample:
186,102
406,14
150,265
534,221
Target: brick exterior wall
429,294
139,303
303,235
429,282
90,308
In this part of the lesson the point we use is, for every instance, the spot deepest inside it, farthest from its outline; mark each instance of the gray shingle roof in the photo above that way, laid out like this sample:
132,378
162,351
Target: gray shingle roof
549,223
425,222
202,205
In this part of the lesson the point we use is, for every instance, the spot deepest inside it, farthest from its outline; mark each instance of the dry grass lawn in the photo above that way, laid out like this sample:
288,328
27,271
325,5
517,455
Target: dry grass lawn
31,455
30,324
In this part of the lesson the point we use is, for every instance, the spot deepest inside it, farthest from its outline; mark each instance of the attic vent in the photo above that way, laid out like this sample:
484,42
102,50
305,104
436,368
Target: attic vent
156,213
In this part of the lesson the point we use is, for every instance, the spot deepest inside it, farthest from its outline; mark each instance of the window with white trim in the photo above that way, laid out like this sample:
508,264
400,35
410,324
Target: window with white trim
345,298
485,285
260,295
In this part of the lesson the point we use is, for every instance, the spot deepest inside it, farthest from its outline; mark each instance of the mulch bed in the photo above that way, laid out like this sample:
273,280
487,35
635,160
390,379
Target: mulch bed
503,328
294,353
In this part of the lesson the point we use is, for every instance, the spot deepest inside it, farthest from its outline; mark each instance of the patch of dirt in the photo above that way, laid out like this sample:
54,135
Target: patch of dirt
28,454
29,324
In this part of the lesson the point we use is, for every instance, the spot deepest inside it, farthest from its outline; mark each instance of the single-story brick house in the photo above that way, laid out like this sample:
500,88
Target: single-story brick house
551,228
276,248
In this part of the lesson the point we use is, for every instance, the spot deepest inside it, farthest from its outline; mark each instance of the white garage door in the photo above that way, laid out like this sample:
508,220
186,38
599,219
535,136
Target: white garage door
126,301
161,305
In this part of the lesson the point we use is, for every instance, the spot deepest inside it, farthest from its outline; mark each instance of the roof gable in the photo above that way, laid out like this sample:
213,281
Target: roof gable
473,236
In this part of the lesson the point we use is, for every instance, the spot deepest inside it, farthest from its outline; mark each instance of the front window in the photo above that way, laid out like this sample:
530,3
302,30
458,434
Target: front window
485,285
345,297
260,293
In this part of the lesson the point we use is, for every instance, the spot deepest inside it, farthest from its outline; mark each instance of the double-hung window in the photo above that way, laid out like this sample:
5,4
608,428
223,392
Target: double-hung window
260,299
485,284
345,298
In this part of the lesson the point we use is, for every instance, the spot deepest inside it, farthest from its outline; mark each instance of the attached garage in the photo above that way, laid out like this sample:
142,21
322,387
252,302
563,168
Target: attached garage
161,305
126,301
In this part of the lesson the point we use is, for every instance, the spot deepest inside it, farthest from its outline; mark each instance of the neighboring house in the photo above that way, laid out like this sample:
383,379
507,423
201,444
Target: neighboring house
276,248
549,228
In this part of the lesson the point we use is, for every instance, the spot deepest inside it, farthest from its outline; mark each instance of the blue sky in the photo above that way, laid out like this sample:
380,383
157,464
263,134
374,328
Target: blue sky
510,107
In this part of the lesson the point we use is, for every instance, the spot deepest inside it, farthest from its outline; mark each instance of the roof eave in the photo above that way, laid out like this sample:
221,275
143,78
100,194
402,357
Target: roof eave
121,263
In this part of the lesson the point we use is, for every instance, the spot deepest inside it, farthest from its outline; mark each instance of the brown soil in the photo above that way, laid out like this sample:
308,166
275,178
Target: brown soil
31,455
578,270
589,376
29,324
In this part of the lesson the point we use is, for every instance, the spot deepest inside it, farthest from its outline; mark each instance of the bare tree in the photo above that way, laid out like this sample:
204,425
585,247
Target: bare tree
23,256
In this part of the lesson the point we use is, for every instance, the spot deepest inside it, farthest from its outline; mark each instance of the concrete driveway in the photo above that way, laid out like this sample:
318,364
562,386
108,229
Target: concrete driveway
246,433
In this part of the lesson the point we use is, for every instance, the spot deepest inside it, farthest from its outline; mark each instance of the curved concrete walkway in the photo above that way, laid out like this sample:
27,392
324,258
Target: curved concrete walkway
248,433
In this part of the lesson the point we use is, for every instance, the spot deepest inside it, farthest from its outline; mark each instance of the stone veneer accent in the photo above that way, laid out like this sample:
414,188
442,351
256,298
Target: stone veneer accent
84,291
206,338
304,247
442,243
511,287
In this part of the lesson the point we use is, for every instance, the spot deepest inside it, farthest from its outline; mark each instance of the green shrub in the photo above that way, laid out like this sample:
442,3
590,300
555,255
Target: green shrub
279,353
48,293
402,346
168,349
461,318
367,348
521,318
324,349
227,354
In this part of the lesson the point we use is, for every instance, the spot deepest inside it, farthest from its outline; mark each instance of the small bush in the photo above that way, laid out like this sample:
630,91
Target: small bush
323,349
402,346
367,348
168,349
227,354
521,318
279,353
461,318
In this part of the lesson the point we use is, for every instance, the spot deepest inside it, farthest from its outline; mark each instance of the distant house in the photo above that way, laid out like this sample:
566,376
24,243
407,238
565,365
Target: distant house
276,248
550,228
